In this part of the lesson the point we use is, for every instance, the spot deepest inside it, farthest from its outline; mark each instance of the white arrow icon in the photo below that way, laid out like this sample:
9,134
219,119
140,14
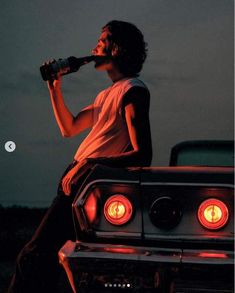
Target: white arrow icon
10,146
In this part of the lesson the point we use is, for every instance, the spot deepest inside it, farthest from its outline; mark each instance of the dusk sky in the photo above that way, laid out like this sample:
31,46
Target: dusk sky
189,72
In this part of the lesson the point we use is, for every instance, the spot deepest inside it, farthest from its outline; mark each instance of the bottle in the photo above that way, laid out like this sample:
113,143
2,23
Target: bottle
66,66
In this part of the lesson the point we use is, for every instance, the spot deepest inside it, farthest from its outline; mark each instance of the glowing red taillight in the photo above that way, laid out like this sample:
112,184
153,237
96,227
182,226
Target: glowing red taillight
118,209
91,208
213,214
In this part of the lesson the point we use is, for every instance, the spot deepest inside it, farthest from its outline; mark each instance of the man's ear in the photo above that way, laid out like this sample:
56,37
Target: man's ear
115,50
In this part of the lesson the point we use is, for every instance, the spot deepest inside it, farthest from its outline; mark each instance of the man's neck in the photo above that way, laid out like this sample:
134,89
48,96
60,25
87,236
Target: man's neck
115,75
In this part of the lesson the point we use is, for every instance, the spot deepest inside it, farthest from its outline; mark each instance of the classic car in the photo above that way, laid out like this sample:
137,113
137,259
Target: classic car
156,229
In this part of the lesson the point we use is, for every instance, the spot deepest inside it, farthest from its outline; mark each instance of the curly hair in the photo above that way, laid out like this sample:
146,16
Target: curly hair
132,49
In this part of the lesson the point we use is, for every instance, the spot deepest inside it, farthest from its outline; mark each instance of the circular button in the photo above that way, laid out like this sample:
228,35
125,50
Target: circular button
10,146
165,213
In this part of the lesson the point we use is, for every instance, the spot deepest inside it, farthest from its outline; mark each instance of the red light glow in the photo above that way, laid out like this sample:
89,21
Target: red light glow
213,214
91,208
212,255
118,209
120,250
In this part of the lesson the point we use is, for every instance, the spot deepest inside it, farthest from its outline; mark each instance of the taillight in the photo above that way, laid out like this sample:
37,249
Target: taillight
213,214
118,209
91,208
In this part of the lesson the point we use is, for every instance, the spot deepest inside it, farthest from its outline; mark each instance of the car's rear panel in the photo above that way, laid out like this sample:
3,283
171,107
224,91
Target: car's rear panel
186,188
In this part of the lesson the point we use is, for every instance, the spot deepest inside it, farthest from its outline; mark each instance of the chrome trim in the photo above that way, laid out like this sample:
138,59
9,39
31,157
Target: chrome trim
131,235
79,199
101,251
84,250
187,184
183,238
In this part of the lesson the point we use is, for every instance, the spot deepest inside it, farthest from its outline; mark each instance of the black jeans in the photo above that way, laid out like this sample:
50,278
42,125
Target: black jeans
37,266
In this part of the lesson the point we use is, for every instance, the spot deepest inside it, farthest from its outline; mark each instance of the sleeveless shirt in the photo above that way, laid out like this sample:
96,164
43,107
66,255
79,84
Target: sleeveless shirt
109,135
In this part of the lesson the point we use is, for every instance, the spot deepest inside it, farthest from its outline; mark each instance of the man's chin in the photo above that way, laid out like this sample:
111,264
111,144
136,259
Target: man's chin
101,62
100,66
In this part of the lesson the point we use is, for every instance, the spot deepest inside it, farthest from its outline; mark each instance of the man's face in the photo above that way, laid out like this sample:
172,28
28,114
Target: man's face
103,48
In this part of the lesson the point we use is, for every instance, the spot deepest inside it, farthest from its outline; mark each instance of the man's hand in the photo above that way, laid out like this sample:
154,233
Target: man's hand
55,84
74,174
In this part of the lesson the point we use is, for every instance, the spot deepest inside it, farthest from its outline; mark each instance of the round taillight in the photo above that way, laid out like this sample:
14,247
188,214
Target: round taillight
213,214
165,213
118,209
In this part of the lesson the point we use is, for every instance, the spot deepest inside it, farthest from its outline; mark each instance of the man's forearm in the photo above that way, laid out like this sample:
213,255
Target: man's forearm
62,114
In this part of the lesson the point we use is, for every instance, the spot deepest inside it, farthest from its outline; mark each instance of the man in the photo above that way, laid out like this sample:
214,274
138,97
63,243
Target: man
119,137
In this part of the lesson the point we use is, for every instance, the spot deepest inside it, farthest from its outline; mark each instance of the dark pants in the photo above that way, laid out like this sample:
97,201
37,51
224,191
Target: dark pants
37,266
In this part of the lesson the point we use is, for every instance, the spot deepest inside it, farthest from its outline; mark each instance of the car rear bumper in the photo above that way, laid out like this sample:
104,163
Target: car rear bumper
130,266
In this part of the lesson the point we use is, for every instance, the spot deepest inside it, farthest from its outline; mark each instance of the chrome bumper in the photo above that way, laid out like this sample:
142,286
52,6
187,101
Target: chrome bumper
79,257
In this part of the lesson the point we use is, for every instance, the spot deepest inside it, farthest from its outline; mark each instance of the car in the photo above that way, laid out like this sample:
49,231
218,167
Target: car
156,229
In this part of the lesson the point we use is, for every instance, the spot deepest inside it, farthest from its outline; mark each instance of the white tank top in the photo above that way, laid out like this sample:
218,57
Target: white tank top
109,135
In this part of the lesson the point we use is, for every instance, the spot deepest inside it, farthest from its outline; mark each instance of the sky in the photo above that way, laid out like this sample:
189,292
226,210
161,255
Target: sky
189,72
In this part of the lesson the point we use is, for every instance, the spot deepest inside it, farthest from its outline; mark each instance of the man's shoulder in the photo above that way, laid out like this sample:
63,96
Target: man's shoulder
131,82
138,94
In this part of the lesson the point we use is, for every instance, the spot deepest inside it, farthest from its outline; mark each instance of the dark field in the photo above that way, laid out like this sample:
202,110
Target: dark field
17,225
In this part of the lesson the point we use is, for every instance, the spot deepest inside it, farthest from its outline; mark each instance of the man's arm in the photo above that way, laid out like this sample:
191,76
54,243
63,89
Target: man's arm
136,110
68,124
